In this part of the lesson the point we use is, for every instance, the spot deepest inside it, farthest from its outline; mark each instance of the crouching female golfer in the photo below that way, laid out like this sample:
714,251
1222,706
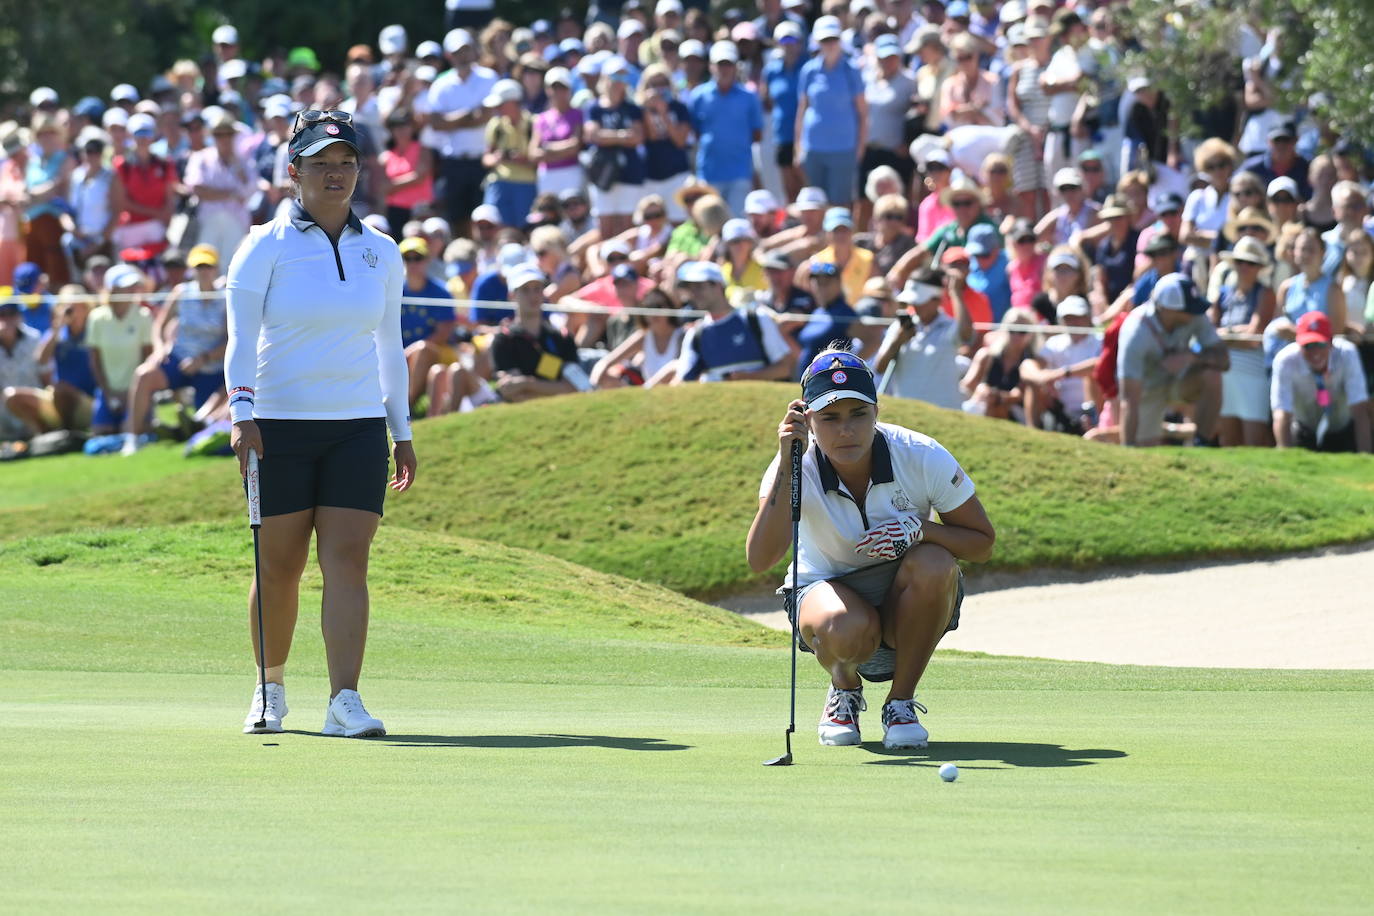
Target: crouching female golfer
316,374
878,583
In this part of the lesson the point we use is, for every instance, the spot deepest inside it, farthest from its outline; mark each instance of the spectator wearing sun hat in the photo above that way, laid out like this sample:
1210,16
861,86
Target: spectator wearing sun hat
1319,392
728,120
832,115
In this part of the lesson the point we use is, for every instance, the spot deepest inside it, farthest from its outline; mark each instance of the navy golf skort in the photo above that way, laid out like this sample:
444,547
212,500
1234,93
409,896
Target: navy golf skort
310,463
872,583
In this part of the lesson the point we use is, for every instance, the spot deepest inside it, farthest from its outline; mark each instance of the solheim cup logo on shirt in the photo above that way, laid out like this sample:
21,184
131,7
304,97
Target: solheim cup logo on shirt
370,257
839,378
901,502
332,130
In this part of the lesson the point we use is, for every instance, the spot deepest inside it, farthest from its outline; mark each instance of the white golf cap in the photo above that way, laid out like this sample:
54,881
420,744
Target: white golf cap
428,49
392,39
918,293
43,95
232,69
629,27
142,124
123,276
523,274
379,222
614,246
760,202
700,272
148,107
826,27
124,93
511,255
1074,307
737,229
486,213
458,38
437,225
1064,259
1281,185
724,52
558,76
668,7
504,91
1137,83
812,198
692,48
1176,293
936,154
1012,11
225,35
274,108
788,30
114,117
1068,178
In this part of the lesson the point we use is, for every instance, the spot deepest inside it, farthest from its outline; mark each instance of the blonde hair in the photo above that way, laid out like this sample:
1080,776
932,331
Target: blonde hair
1211,148
1135,178
1018,315
891,203
1001,159
547,238
651,72
710,213
652,200
599,37
1081,288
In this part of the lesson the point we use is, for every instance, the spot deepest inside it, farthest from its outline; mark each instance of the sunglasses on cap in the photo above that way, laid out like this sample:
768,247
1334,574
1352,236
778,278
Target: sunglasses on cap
314,116
827,361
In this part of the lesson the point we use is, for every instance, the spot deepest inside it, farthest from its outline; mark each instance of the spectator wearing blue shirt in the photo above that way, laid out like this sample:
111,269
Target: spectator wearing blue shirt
30,286
778,83
490,286
832,116
988,272
1163,252
1282,160
728,120
426,330
831,319
67,403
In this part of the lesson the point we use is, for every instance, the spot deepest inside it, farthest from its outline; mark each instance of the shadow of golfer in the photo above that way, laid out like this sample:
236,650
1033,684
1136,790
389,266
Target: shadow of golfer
1011,753
531,741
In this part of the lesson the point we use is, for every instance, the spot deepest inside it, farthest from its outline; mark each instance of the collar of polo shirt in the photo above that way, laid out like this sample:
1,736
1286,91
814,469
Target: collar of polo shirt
882,465
302,220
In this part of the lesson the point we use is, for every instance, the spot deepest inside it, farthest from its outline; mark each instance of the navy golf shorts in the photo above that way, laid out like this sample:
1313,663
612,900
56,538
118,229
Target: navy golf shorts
310,463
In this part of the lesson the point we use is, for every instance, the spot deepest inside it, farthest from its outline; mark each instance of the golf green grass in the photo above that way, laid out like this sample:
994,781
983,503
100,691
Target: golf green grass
565,741
660,485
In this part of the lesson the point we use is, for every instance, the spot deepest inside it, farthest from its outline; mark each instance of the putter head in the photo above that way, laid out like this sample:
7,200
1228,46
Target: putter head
784,761
261,723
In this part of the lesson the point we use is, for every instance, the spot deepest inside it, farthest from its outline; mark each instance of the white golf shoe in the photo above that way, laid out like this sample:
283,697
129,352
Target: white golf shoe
276,710
347,718
840,722
901,728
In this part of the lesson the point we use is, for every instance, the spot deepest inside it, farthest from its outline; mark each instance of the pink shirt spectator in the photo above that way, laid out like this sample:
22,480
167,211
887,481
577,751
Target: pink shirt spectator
400,163
205,168
931,215
553,126
984,95
1026,278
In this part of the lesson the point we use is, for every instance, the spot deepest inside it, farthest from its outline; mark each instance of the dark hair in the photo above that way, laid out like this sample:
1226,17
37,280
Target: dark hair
930,276
658,298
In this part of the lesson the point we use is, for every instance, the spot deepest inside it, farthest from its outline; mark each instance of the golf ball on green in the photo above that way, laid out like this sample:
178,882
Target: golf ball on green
949,772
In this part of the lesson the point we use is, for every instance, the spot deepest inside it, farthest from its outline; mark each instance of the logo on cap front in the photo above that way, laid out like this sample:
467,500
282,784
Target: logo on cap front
839,378
331,129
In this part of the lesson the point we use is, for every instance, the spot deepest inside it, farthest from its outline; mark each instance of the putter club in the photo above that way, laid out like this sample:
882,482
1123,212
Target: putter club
252,488
793,612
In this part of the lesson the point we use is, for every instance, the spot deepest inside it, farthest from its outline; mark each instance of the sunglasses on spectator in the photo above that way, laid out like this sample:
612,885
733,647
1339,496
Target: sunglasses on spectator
412,258
828,361
1216,165
1025,240
315,116
1066,268
893,217
655,214
963,203
963,57
936,167
1090,168
617,258
998,170
1254,230
1284,197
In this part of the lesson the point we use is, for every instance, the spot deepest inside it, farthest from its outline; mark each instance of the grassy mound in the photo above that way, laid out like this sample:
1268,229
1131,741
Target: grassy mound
660,486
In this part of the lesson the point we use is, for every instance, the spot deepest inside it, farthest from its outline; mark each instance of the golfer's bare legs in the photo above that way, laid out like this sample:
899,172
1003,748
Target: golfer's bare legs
343,539
284,548
916,612
842,629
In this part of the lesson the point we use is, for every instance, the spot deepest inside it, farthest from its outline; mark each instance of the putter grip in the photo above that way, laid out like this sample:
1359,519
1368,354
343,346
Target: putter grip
252,485
796,480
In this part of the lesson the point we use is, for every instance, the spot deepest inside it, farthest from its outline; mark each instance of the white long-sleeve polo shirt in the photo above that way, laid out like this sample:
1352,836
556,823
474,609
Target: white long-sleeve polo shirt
315,326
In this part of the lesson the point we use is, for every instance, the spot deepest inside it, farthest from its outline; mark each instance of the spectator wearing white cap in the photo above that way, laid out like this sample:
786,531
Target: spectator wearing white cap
1063,368
1284,203
728,120
1075,212
832,115
225,40
614,131
761,209
557,137
629,36
728,344
457,118
888,96
94,206
919,355
1158,366
145,189
393,42
808,236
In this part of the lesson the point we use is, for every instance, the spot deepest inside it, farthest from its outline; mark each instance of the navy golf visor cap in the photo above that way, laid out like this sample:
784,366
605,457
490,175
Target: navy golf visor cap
315,136
835,376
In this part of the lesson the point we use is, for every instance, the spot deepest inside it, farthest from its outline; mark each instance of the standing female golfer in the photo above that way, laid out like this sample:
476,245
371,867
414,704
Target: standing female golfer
878,583
313,367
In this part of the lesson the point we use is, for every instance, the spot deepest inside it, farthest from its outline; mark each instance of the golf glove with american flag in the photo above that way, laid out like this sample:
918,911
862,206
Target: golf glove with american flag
890,540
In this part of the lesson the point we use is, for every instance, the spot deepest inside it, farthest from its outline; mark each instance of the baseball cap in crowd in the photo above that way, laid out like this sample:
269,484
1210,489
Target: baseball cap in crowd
148,106
316,135
487,213
124,93
456,39
954,254
1137,83
502,92
1016,35
629,27
788,32
622,272
919,292
826,27
43,96
1012,11
428,49
812,198
1063,259
846,377
123,276
982,240
203,255
744,31
1284,130
737,229
379,222
1023,230
724,52
142,125
1314,327
957,10
700,272
1282,185
759,202
1176,293
26,277
1035,28
437,225
618,69
887,46
275,108
89,107
225,35
614,246
776,260
837,218
510,256
558,76
392,39
115,117
1168,203
692,48
1073,307
571,46
1115,205
523,274
938,155
232,69
668,8
1068,177
1161,243
414,246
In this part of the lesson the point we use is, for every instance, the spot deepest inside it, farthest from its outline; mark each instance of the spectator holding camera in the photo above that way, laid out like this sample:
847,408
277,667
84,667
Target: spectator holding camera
919,353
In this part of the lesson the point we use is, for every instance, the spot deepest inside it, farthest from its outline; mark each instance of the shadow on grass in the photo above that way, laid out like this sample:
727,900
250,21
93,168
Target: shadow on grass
521,741
1011,753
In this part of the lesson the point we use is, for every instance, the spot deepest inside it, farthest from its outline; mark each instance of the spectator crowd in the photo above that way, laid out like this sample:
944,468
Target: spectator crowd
984,198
